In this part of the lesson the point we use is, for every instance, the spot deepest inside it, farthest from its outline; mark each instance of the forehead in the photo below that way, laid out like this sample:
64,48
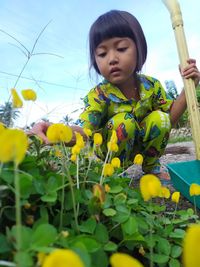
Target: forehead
114,41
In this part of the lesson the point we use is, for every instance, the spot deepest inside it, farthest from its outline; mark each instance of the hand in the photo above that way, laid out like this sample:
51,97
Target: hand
40,130
191,71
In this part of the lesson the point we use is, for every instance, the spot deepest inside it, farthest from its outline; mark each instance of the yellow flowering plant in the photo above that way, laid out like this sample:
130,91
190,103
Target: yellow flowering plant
29,94
115,162
150,186
98,139
122,260
16,100
191,246
59,132
61,258
61,191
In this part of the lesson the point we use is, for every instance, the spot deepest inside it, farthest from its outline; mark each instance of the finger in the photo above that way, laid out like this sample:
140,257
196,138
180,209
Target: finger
191,60
43,137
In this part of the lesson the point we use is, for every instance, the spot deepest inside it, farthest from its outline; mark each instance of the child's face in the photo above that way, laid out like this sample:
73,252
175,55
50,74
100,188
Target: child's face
116,59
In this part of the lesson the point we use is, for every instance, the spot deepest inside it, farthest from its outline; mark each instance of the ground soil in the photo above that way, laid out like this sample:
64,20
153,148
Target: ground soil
178,152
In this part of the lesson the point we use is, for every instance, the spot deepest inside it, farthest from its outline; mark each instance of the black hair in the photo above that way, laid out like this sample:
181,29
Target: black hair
117,23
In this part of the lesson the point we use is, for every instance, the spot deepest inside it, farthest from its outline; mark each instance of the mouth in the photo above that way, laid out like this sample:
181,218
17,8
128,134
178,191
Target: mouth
114,70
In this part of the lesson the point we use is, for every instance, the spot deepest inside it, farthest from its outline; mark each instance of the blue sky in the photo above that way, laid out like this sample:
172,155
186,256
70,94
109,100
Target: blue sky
61,82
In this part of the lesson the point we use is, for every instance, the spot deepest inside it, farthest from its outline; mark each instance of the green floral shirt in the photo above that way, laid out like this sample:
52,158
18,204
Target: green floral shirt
105,100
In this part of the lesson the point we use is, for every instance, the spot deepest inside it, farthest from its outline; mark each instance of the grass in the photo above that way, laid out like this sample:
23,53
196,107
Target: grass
178,139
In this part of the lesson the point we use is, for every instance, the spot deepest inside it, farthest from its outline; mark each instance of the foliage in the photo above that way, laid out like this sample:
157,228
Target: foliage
112,218
172,92
8,114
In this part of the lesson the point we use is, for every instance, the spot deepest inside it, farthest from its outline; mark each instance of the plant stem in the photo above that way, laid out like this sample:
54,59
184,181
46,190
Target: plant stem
175,211
62,203
151,236
17,208
195,208
101,178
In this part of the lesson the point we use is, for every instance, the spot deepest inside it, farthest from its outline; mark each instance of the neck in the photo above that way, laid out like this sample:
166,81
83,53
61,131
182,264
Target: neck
130,88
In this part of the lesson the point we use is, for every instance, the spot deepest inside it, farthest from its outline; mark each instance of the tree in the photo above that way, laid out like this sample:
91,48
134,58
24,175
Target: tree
8,114
171,89
67,120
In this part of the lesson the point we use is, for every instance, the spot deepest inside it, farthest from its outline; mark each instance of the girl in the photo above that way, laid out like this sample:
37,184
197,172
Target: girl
133,104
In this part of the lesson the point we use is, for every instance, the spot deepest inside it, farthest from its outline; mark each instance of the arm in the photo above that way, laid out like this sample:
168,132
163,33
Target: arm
180,104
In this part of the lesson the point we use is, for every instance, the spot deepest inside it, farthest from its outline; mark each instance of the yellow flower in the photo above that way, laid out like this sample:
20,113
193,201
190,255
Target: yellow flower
114,138
16,100
73,157
65,234
59,132
112,146
40,258
76,149
138,160
124,260
165,192
87,132
107,188
194,189
2,128
115,162
62,258
175,197
141,250
13,145
150,186
79,140
98,139
108,170
58,153
29,94
191,246
98,191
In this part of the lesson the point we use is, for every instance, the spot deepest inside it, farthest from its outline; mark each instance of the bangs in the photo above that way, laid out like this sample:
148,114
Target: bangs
110,27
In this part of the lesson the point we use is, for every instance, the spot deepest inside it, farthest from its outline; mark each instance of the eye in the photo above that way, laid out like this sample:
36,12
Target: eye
122,49
102,54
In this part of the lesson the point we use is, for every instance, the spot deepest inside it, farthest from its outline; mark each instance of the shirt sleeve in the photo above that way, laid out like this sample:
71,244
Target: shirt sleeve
161,99
95,109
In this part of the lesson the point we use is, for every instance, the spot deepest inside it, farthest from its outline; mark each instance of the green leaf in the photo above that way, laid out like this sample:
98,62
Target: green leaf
43,235
130,226
88,226
101,233
52,184
4,245
100,259
110,246
25,183
26,233
163,246
178,233
174,263
176,251
120,199
7,175
132,201
158,258
116,189
23,259
109,212
39,184
89,243
50,197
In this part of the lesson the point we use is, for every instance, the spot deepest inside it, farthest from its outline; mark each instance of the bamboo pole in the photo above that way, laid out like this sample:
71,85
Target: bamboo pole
189,86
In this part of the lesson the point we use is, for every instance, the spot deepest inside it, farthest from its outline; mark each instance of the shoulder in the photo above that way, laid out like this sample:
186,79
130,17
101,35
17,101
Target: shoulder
145,79
149,82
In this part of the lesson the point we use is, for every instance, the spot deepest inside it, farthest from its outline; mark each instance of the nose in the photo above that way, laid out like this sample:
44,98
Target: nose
113,58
